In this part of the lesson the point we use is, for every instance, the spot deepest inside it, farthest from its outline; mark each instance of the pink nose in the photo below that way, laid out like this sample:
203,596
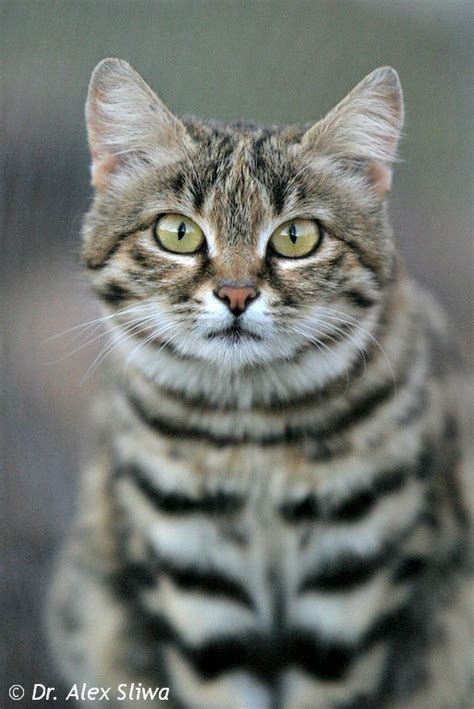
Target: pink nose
237,298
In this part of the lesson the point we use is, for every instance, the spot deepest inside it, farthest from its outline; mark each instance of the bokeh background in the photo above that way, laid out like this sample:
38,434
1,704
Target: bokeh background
272,61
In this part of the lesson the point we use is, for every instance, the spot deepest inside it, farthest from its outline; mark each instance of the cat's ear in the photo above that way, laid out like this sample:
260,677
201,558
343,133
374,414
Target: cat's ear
365,126
125,118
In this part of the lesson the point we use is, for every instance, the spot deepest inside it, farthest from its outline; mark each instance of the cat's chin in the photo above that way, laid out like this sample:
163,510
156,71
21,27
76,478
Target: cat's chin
231,349
234,335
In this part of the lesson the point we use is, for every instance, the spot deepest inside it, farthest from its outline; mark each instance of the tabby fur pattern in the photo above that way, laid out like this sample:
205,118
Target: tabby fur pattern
278,512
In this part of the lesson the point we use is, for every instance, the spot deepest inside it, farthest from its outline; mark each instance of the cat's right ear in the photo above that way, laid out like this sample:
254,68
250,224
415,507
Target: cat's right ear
125,118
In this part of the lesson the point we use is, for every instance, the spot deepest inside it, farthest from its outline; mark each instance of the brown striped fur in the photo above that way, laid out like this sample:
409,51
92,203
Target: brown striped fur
279,513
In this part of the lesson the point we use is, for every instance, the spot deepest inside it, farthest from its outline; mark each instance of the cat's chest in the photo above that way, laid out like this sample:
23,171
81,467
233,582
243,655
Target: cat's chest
247,482
255,536
273,501
215,507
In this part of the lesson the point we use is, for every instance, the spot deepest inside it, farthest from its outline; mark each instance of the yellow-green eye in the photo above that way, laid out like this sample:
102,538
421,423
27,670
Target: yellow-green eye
177,233
296,238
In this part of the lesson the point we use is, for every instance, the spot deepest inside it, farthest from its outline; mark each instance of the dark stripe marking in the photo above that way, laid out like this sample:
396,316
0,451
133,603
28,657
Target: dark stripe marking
132,578
308,508
177,183
409,568
355,507
314,396
360,701
93,265
267,656
206,582
359,299
218,502
113,293
360,410
386,483
347,570
361,256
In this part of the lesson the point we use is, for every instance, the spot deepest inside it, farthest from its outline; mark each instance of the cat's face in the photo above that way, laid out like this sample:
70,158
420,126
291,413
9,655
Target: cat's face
240,245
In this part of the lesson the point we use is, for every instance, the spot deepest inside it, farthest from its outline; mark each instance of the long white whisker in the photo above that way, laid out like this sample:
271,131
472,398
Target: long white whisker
84,344
123,334
149,338
98,321
168,341
128,329
137,321
321,346
348,320
125,331
347,336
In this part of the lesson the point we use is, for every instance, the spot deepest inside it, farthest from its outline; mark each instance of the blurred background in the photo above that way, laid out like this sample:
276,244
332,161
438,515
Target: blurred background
271,61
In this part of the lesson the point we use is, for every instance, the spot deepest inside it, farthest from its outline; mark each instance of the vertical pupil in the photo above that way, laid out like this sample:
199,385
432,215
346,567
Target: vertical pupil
181,230
292,233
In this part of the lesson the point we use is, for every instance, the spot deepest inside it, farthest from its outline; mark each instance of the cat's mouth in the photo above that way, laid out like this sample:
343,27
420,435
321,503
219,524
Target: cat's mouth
233,334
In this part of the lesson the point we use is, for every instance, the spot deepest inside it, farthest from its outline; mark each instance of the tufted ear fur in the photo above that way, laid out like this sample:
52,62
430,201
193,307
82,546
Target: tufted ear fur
125,118
364,126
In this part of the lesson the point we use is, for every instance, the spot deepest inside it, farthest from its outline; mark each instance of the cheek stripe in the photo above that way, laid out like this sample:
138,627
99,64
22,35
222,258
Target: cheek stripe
113,293
98,261
359,299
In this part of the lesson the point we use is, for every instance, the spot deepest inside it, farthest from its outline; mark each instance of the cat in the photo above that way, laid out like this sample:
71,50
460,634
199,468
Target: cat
278,512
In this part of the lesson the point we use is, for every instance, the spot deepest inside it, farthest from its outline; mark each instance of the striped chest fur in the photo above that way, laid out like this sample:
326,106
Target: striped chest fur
286,548
277,516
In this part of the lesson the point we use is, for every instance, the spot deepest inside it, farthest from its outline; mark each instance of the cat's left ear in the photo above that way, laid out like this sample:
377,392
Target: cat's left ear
126,118
365,126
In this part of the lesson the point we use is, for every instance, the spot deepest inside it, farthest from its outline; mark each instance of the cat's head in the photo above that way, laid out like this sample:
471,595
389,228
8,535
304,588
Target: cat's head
238,244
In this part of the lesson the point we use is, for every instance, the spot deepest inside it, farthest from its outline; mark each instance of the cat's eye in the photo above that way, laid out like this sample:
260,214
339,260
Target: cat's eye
179,234
296,238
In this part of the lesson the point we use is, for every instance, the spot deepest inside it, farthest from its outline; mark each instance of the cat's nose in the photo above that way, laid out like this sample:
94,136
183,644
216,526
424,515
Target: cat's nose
237,298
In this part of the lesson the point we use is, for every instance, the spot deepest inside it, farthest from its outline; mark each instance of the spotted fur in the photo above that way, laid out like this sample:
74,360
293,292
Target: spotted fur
278,513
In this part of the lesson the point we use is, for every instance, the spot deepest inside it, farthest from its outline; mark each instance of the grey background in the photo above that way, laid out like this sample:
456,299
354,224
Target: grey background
269,61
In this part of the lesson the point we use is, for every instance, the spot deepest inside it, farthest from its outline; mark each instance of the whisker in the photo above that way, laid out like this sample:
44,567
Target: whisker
138,321
347,337
98,321
321,346
126,331
349,320
149,338
81,347
106,350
